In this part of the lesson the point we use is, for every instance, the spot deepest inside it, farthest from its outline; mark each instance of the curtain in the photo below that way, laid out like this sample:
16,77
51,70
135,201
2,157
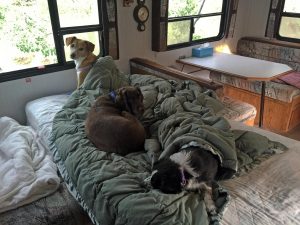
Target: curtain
159,25
110,23
233,7
273,18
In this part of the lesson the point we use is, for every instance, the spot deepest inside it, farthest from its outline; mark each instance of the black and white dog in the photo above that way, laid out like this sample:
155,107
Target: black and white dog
191,169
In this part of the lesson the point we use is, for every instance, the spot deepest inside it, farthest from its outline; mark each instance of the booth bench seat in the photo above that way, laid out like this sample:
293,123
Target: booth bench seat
271,50
282,101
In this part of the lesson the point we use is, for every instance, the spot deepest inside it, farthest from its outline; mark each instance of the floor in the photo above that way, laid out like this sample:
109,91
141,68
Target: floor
294,134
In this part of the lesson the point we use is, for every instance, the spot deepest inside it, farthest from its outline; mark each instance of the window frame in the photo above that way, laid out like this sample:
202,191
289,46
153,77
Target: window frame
58,33
159,42
285,14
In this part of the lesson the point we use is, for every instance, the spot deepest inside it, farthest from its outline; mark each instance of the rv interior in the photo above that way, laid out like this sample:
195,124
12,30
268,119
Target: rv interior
220,75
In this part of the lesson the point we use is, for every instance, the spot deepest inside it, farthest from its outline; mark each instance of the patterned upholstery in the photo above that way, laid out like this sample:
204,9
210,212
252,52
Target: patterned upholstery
267,49
237,110
282,92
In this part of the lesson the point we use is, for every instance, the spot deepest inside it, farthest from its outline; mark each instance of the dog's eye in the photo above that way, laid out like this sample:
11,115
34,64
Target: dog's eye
72,45
80,49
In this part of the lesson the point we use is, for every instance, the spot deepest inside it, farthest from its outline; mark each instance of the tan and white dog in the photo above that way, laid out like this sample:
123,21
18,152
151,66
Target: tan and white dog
82,54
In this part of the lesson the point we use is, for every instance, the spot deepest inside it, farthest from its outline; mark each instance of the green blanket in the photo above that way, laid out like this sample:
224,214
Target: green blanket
114,189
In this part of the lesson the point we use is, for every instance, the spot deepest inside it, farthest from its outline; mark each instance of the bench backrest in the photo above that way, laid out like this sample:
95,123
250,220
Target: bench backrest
271,50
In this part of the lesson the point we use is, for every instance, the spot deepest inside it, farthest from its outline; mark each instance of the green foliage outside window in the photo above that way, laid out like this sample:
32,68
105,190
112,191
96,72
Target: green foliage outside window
179,32
290,26
30,38
2,16
33,46
27,32
178,8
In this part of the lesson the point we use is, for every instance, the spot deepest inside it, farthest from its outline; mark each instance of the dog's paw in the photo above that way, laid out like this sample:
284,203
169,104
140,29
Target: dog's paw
128,115
152,145
209,203
211,209
125,114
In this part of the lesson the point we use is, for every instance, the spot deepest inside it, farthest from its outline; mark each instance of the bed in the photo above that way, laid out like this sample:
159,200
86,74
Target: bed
114,189
260,196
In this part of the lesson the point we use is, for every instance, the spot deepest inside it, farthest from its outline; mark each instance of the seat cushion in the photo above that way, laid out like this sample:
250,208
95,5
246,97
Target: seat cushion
279,91
237,110
292,79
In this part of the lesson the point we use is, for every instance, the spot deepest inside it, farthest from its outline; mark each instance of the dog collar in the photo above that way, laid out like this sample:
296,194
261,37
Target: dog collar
183,179
113,95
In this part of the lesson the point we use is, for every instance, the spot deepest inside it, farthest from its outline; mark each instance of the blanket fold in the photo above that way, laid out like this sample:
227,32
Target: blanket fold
27,172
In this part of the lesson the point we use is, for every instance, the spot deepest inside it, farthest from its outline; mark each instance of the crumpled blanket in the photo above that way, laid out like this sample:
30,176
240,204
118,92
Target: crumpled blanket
186,114
190,129
27,172
112,188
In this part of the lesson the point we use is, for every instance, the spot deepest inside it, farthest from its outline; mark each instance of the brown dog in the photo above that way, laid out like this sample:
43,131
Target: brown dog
82,54
112,123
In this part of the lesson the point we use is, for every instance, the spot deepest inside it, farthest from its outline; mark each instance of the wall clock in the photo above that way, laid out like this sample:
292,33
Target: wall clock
141,14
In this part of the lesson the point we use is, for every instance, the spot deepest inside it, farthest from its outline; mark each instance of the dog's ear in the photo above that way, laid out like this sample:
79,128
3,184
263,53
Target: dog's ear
121,93
90,46
69,40
160,164
156,181
140,92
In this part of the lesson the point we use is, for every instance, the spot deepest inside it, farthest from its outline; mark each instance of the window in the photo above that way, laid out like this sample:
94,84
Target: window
35,32
181,23
289,22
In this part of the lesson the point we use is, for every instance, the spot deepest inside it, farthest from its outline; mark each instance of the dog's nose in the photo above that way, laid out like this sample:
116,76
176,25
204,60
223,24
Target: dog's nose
72,56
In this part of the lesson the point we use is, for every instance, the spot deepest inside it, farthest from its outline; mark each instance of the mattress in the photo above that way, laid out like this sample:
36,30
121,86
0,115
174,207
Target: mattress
270,193
260,197
40,113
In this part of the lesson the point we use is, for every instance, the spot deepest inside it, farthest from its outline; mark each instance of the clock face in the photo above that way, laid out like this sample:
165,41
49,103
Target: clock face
143,14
